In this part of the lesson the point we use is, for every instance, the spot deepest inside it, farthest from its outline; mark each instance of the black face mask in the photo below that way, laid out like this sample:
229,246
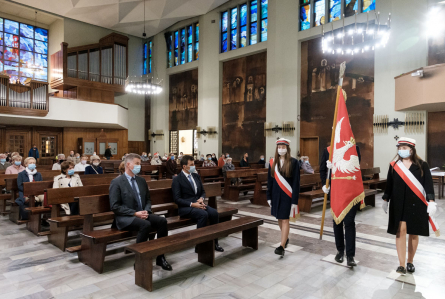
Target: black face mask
61,161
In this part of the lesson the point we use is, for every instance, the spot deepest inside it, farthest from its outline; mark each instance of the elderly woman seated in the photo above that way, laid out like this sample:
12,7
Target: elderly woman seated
61,159
16,166
228,166
306,166
209,162
65,180
3,163
94,167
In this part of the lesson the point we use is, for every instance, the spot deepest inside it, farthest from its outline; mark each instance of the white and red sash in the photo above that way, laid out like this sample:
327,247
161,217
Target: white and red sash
284,185
416,187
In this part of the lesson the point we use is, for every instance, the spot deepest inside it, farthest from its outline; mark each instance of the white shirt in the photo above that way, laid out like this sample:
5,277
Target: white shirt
187,175
80,167
56,166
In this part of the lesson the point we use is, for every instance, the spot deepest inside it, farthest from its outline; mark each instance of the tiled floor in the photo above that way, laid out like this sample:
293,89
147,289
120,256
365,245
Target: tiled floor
32,268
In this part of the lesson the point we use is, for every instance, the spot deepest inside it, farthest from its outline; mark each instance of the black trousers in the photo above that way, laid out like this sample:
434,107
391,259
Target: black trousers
348,234
201,216
145,226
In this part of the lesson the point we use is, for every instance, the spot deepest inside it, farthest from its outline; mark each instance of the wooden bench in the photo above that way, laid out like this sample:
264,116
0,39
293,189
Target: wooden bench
259,193
148,170
211,174
110,166
371,179
204,237
231,192
94,242
307,198
310,182
257,166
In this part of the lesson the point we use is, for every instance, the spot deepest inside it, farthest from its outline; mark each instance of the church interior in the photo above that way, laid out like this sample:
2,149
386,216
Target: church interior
168,119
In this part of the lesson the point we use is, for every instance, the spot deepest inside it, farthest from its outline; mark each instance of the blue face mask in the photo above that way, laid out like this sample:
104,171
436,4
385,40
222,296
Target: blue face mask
3,160
31,166
136,169
262,159
307,162
18,163
71,172
172,157
404,153
227,156
192,169
209,158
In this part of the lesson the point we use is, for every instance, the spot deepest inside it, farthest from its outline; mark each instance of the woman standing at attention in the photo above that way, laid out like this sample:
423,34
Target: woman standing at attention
283,189
410,193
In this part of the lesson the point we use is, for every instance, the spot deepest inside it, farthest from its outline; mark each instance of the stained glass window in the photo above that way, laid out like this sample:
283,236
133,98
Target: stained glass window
351,6
145,59
243,24
148,49
150,53
233,26
368,5
224,24
169,50
183,46
305,17
319,12
197,41
22,44
264,4
335,10
176,47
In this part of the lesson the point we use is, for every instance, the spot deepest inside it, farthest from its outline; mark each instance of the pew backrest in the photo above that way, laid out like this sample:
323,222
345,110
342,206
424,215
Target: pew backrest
160,184
244,173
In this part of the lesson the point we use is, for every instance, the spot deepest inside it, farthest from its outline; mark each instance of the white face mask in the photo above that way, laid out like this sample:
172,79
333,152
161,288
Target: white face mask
83,162
96,163
282,152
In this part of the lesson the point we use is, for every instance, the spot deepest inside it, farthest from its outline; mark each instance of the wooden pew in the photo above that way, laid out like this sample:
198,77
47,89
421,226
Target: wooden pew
204,237
3,203
374,181
161,184
211,174
148,170
231,192
94,242
259,193
110,166
256,165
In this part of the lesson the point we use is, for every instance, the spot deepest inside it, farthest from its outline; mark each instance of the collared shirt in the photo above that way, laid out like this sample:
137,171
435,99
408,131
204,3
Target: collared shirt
131,185
187,175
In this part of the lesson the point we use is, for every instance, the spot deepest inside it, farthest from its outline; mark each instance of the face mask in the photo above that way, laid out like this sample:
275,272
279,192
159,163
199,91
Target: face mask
3,160
229,162
282,152
18,163
172,157
136,169
149,155
71,172
228,156
61,161
83,162
307,162
213,156
262,159
77,157
31,166
210,158
96,163
192,169
404,153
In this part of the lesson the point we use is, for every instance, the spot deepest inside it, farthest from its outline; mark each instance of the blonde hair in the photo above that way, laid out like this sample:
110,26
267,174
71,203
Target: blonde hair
26,162
94,157
17,157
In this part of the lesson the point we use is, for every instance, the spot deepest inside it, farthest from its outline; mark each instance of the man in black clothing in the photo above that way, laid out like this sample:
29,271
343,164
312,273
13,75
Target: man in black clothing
348,221
262,161
108,154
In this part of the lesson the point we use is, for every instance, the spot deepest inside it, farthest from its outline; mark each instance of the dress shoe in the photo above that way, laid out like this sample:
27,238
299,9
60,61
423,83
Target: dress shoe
410,268
339,257
401,270
351,262
161,261
280,250
218,248
287,243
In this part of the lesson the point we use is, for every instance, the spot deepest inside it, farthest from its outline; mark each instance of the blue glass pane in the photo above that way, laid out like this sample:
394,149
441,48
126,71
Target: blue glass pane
233,20
145,67
41,60
149,70
170,59
253,33
243,36
320,12
11,27
1,66
176,39
1,38
190,34
368,5
11,40
348,2
41,47
1,27
145,51
305,17
196,51
182,55
243,15
233,36
43,75
1,53
42,34
169,43
224,42
150,49
264,9
253,11
335,10
11,70
176,57
24,72
264,30
225,21
26,30
190,53
182,46
26,44
26,57
197,32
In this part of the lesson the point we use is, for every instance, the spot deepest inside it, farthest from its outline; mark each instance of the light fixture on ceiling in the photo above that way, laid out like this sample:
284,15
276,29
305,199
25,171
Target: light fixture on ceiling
356,38
143,85
32,66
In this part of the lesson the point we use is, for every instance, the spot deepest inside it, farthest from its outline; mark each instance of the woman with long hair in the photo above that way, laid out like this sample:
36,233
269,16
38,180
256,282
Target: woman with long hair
283,189
410,193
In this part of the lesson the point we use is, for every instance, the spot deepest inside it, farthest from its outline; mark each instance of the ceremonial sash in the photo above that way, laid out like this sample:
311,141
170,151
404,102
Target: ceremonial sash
416,187
284,185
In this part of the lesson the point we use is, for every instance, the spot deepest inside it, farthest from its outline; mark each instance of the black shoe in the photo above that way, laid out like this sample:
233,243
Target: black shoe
161,261
218,248
44,223
280,250
351,262
339,257
410,268
287,243
401,270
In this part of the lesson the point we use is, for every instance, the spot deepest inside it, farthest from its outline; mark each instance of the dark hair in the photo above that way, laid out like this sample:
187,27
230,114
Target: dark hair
208,155
185,160
65,165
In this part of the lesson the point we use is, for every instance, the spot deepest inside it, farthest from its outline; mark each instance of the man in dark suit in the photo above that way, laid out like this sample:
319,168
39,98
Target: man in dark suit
130,202
189,195
108,154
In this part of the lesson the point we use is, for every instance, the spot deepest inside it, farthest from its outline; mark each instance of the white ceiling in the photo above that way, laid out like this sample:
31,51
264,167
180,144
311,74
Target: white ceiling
14,9
127,16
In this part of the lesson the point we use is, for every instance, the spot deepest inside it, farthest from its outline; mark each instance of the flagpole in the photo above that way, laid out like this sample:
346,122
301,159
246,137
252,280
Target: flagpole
339,89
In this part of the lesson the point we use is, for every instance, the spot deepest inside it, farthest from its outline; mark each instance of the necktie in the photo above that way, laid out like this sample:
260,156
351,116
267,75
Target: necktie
133,185
191,182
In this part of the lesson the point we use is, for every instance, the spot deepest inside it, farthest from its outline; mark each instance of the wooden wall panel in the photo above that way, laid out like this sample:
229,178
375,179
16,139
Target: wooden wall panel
136,147
436,139
95,95
183,100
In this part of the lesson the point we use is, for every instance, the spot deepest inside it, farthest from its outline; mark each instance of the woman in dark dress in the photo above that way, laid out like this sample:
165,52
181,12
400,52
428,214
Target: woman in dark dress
408,214
94,167
283,189
244,161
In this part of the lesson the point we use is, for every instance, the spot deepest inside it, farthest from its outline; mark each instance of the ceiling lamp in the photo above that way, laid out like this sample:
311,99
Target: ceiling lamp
356,38
34,67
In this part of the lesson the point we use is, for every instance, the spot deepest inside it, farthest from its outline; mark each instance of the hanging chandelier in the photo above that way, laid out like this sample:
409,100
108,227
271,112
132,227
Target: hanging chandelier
356,38
32,66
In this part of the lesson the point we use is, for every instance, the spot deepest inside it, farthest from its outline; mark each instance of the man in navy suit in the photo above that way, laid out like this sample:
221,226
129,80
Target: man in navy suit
131,204
189,195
